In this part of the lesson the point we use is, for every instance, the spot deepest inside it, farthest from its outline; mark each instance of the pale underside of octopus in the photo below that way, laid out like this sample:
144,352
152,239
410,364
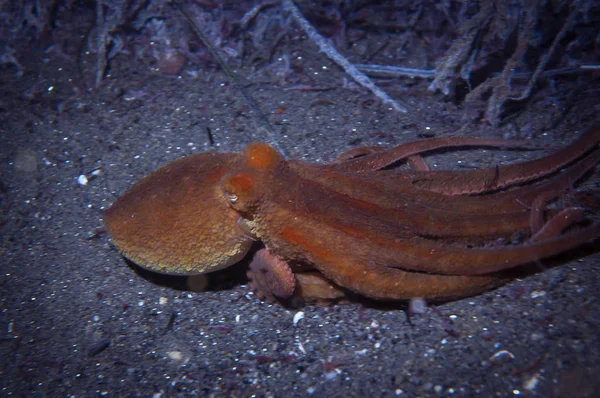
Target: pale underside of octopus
355,225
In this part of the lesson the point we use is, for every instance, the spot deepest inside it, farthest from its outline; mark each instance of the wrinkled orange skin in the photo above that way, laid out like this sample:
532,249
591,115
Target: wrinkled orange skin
385,234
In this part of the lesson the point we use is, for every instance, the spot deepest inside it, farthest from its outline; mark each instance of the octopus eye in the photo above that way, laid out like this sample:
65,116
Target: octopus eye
233,198
238,189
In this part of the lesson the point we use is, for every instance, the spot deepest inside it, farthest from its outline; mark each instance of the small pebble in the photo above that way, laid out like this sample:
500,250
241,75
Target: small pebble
175,355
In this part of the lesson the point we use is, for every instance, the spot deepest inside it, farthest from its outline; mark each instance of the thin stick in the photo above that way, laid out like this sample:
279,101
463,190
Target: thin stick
101,43
571,20
250,15
394,71
338,58
264,126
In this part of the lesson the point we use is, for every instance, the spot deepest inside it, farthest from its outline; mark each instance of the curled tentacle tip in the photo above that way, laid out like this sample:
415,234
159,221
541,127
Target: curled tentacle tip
261,156
271,277
273,274
257,290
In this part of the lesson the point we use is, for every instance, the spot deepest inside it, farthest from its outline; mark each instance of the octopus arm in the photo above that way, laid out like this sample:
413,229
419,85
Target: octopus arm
352,268
471,182
366,159
390,188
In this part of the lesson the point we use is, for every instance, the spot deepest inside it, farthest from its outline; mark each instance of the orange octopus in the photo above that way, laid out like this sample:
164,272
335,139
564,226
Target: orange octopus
353,226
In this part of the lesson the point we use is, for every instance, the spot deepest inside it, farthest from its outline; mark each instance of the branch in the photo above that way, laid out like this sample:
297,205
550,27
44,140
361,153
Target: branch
264,127
338,58
395,71
101,43
569,23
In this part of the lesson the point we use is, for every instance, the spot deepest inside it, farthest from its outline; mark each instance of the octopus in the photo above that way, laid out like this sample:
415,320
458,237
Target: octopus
358,226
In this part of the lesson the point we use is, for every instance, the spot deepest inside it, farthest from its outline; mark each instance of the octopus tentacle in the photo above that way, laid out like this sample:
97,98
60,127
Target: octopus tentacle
272,279
518,197
349,214
557,224
375,270
415,161
315,200
485,180
536,218
358,274
270,276
356,153
313,286
424,255
383,240
378,159
393,189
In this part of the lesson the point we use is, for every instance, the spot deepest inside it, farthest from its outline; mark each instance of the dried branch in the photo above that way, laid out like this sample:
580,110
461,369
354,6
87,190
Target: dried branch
500,85
487,36
111,17
7,57
569,23
263,123
461,50
394,71
391,71
101,43
250,15
338,58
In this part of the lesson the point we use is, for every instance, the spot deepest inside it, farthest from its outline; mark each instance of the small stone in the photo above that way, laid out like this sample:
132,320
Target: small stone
175,355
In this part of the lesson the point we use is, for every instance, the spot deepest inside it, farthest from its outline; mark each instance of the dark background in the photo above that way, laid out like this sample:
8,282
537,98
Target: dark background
125,87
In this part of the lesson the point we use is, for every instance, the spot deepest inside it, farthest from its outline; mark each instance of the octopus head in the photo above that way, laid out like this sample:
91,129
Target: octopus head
176,220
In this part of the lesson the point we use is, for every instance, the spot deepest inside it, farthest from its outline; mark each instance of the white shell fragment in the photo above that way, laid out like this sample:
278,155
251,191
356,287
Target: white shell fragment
298,316
84,179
